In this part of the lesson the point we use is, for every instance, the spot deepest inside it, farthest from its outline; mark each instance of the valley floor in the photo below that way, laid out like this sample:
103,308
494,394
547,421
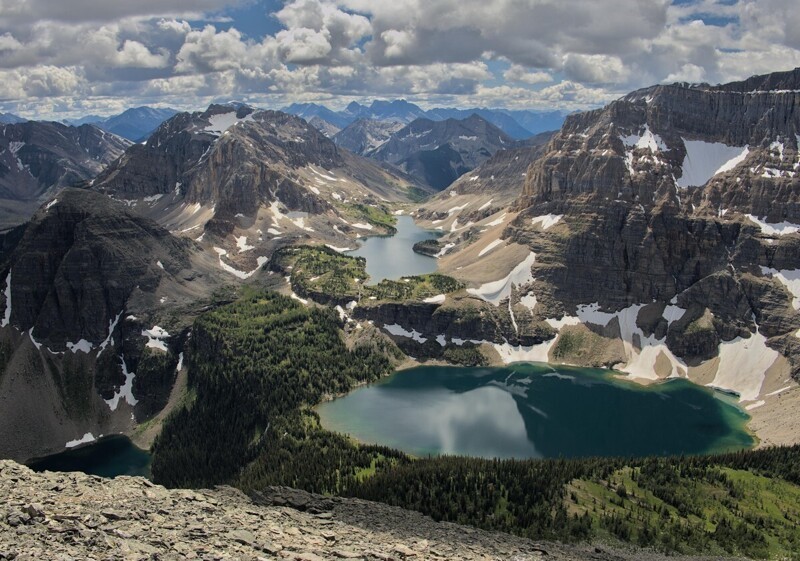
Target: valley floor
76,516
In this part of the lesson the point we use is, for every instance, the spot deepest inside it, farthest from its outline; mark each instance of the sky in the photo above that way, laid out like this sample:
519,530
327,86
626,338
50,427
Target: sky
68,58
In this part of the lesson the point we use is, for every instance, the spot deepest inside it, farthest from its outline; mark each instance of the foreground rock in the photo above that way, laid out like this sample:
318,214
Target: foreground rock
77,516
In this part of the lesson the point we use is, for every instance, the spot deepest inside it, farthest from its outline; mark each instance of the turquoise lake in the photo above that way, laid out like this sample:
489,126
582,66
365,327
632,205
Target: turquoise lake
536,411
392,257
108,457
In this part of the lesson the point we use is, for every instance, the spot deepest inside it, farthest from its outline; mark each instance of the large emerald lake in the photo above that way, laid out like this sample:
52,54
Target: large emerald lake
392,257
536,411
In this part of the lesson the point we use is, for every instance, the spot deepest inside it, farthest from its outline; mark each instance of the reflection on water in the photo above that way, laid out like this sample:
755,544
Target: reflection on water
534,411
391,257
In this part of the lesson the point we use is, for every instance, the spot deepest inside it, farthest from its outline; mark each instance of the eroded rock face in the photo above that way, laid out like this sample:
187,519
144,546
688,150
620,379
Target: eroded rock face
72,515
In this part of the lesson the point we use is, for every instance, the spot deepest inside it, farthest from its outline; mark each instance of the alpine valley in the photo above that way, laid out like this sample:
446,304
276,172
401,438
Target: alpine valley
205,292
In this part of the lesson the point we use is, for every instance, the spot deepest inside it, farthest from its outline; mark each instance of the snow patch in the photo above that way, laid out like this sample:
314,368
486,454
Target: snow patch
529,301
362,226
236,272
547,221
7,315
641,358
498,290
774,228
447,247
83,346
219,123
179,367
398,331
125,391
706,159
85,439
36,343
50,204
155,338
535,353
490,247
438,299
647,140
485,205
112,325
497,221
743,364
241,243
339,249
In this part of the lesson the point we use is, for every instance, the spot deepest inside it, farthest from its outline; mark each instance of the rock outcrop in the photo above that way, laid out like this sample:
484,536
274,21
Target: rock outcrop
76,516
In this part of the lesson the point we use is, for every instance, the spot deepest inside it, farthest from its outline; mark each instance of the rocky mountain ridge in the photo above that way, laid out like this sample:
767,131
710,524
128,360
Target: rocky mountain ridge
366,135
77,516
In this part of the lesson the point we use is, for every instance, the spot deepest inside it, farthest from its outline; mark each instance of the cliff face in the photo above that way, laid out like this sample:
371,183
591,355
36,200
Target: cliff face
658,192
662,144
82,282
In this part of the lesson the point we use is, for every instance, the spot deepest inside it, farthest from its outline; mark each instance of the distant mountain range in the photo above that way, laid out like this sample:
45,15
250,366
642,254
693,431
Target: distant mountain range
10,119
135,124
435,152
518,124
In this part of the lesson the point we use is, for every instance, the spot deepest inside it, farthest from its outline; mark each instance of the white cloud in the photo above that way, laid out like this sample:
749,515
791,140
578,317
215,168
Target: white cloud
303,46
518,73
523,53
595,69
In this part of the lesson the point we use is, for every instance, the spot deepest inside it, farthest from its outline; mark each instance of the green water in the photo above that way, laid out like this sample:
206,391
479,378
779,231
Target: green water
392,257
536,411
108,457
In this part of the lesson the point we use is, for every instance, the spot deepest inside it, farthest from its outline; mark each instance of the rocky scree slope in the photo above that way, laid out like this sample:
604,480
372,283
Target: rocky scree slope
83,284
77,516
38,158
